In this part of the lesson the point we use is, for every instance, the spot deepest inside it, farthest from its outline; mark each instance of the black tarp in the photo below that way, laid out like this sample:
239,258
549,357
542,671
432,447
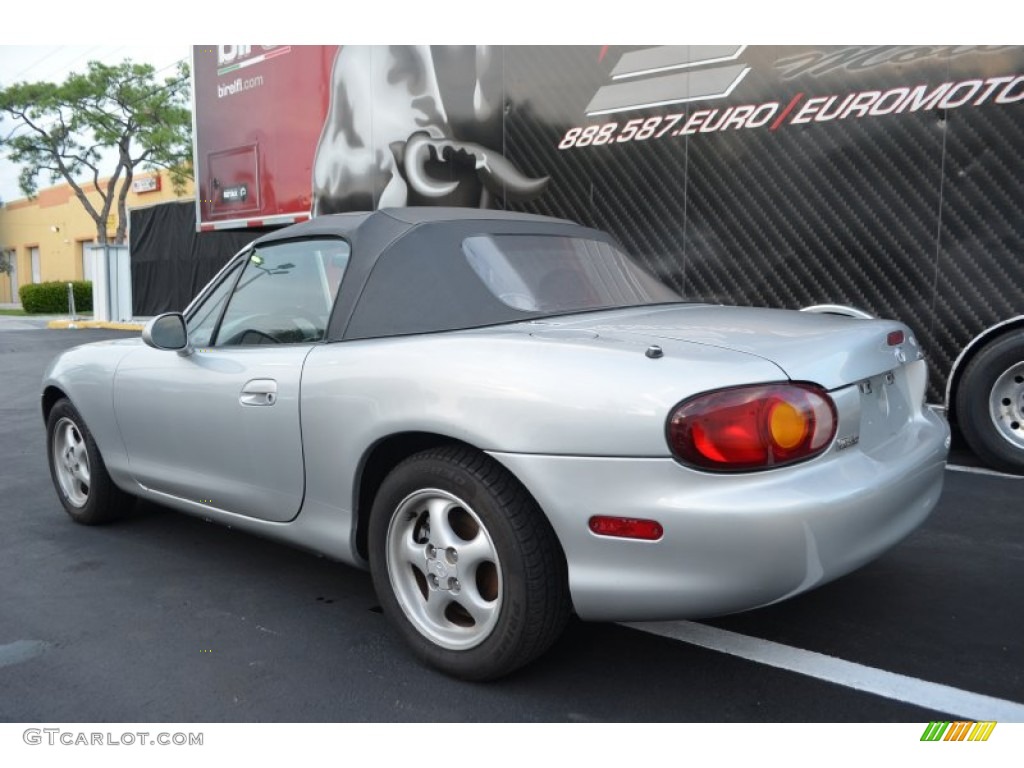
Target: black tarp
170,261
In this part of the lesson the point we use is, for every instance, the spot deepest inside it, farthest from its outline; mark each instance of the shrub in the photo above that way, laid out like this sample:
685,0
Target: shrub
52,298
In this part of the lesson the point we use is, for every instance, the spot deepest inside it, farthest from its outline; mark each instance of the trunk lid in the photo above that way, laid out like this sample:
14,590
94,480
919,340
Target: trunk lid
829,350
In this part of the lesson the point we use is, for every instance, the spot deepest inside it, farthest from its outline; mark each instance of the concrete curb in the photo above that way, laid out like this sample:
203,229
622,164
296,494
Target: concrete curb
108,324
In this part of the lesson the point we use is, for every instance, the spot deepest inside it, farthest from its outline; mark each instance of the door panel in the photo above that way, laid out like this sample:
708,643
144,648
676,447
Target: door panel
221,426
190,434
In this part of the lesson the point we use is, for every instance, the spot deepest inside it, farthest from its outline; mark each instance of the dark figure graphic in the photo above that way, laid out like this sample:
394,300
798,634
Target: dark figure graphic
415,125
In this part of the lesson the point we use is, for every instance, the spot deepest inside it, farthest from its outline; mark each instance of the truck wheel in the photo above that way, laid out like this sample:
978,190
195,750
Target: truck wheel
85,489
466,565
990,403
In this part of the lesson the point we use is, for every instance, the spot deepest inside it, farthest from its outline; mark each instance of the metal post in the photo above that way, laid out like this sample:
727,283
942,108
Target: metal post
71,302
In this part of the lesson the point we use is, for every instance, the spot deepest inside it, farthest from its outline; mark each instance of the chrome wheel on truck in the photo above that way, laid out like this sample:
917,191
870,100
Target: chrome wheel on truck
990,403
1006,404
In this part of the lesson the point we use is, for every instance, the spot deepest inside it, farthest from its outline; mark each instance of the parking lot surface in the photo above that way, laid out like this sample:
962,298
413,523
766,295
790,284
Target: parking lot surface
163,617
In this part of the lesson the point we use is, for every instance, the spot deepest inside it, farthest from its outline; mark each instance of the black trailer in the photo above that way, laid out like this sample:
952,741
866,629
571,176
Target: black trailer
887,180
866,180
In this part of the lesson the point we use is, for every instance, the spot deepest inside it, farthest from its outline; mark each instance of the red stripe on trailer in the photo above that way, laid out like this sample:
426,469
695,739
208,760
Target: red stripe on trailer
786,111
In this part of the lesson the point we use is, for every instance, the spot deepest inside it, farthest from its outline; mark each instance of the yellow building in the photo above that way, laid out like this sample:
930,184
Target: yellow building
45,237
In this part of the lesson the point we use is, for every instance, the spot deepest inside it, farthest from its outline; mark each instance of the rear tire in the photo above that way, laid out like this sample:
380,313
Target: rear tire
466,565
79,475
990,403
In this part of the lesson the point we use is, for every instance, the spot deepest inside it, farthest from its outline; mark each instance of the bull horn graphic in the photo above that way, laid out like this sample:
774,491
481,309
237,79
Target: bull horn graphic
496,173
417,152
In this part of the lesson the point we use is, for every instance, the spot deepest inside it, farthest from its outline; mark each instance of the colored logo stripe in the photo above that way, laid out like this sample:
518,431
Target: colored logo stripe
958,731
981,731
255,60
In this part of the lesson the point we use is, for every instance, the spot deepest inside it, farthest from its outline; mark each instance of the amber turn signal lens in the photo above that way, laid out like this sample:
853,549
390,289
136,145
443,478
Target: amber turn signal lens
788,425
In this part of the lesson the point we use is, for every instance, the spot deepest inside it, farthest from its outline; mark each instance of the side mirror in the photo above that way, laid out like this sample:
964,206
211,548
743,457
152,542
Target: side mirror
168,331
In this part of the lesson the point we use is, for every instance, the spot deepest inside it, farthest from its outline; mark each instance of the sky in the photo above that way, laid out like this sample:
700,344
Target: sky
53,63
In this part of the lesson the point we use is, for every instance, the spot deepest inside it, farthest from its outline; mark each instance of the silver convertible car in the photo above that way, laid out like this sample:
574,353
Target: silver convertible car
506,419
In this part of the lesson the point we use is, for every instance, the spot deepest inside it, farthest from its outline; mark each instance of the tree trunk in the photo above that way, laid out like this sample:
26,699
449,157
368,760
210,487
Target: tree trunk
122,207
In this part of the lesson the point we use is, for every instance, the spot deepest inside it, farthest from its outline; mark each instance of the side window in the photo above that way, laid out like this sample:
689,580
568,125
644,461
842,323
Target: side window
285,294
203,320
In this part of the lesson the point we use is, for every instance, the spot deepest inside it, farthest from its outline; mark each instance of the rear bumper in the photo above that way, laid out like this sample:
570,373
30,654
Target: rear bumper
737,542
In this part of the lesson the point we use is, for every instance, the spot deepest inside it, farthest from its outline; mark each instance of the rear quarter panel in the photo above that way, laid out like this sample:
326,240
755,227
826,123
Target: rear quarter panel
502,391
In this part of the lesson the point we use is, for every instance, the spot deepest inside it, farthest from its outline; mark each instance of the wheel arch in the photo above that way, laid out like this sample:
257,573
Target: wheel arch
51,394
378,460
970,351
839,309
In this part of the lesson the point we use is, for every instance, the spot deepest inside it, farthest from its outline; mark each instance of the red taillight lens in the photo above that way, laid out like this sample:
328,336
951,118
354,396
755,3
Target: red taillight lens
755,427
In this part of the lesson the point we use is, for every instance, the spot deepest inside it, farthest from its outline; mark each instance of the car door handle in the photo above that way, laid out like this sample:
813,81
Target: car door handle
259,392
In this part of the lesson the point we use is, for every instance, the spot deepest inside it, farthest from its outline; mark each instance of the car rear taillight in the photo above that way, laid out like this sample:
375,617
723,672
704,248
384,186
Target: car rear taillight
752,427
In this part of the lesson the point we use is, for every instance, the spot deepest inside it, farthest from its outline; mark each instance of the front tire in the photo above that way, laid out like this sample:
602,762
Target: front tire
990,403
466,565
79,475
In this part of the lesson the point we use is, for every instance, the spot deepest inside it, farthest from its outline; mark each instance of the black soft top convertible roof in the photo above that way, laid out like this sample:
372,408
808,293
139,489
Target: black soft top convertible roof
344,223
407,273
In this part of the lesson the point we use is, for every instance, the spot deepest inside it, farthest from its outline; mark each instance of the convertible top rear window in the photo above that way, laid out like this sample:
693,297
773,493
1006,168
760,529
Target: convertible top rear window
552,274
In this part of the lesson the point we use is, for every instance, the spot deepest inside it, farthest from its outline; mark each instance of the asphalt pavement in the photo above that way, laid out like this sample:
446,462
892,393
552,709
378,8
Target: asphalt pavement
165,618
27,322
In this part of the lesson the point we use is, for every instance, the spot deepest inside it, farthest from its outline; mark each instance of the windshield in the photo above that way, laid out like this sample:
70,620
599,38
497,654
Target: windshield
554,274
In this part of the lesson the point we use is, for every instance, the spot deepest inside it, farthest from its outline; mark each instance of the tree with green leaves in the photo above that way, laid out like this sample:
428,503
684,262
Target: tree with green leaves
70,130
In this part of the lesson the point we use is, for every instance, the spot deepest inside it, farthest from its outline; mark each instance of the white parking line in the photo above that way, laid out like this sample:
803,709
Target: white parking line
941,698
981,471
21,650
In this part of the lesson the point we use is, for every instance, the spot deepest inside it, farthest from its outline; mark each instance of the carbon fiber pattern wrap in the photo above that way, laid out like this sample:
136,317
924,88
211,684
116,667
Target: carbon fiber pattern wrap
914,216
